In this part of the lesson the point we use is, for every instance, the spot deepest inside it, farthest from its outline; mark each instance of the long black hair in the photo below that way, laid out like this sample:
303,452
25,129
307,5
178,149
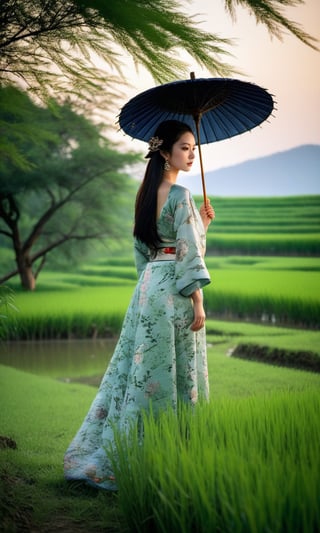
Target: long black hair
145,225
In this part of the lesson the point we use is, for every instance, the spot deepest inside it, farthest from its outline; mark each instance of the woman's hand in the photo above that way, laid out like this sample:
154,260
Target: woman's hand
207,214
199,316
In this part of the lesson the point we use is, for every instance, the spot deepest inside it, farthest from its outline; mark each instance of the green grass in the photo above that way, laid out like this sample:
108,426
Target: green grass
264,244
42,415
290,347
92,300
270,287
69,311
249,400
281,290
265,226
274,336
251,462
246,465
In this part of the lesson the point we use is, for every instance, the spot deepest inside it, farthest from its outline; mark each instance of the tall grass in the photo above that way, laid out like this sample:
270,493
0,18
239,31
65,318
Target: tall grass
240,466
92,302
64,326
265,226
66,313
275,290
264,308
264,244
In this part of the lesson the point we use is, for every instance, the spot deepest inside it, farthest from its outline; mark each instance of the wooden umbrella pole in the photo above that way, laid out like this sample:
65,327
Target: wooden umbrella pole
197,121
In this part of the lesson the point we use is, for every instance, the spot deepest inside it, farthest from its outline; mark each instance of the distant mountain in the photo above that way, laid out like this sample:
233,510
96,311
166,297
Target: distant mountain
289,173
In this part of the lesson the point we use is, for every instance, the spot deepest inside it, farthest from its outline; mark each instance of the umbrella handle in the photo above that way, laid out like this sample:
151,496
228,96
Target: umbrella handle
197,122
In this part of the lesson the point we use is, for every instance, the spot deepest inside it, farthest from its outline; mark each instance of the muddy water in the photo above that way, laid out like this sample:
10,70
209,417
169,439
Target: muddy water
71,360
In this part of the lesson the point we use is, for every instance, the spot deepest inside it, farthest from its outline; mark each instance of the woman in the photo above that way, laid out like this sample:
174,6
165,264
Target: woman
161,353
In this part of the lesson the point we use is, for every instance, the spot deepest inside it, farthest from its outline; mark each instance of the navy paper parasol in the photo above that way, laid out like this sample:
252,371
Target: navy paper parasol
219,108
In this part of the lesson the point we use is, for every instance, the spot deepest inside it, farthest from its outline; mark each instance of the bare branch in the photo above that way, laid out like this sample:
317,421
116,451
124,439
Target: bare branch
40,267
9,276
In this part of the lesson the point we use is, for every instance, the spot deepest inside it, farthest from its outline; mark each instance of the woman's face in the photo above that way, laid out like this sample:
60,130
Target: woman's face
183,152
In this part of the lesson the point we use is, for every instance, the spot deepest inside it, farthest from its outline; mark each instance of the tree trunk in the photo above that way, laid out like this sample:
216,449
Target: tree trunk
27,277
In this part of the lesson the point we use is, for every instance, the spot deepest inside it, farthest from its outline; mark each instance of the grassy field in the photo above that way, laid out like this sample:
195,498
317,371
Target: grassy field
232,466
278,291
263,255
42,415
265,226
268,415
93,299
250,463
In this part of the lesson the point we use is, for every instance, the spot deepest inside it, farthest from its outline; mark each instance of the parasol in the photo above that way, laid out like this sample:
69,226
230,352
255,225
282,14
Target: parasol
219,108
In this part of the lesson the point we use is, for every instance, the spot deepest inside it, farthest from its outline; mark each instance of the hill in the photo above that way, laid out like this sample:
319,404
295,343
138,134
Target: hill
289,173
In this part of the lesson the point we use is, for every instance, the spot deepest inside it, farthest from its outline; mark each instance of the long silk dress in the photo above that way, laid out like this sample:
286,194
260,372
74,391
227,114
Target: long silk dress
158,360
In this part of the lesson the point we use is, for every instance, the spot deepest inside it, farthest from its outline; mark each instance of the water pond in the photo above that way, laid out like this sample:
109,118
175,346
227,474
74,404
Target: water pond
67,360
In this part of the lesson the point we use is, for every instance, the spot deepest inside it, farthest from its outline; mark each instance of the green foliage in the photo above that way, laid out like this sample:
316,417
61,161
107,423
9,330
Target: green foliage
68,188
49,45
261,307
231,465
270,13
153,32
20,122
233,333
66,310
76,325
7,309
52,44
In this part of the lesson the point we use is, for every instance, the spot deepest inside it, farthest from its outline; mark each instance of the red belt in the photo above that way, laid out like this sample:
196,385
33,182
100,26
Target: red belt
168,250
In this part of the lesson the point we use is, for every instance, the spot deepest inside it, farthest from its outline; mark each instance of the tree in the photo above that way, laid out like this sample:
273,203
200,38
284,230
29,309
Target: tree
68,189
52,45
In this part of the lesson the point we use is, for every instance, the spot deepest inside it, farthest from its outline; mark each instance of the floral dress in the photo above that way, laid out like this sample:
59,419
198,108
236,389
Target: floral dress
157,359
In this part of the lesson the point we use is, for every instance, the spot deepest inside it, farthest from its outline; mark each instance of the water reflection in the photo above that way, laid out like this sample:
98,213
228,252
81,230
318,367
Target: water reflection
69,360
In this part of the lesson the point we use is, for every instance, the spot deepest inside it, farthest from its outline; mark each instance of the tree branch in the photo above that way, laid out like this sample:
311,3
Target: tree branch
63,240
9,276
11,215
37,228
41,265
6,233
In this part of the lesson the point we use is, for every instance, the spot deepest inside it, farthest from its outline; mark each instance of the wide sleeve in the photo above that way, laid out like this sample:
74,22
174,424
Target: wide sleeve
191,271
141,255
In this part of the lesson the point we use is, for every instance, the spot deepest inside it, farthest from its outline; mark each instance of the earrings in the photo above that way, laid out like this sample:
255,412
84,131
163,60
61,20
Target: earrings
167,166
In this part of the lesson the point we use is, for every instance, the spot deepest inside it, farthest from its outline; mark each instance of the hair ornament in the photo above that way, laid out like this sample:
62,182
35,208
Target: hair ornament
154,144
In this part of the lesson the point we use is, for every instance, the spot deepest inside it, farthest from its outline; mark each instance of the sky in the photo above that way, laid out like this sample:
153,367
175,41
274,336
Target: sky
288,69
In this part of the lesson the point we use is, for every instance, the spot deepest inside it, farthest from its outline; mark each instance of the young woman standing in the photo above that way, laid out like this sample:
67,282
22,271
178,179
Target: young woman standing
160,358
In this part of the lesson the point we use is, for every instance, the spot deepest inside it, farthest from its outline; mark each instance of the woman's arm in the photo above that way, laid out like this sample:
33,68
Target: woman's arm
199,315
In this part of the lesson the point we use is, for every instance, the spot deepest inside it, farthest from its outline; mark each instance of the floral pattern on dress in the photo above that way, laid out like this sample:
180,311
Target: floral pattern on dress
157,359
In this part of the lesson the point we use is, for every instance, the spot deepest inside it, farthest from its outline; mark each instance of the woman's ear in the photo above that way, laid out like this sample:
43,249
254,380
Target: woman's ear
165,155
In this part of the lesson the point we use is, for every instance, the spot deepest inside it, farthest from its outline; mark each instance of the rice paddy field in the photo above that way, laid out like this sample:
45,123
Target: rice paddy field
246,462
263,255
279,291
265,226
